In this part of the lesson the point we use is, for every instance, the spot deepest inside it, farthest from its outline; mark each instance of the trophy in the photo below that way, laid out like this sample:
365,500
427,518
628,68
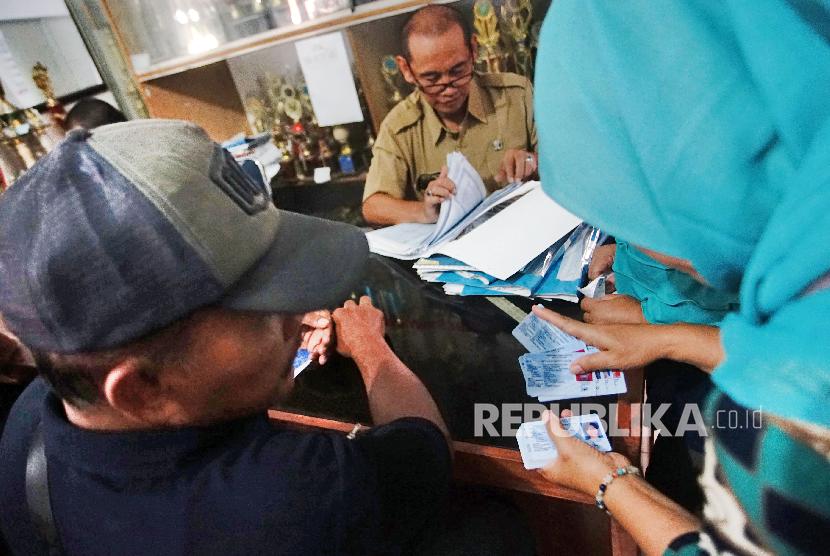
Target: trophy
291,105
305,157
288,169
6,107
325,152
517,15
47,134
391,75
12,164
16,135
257,116
345,160
40,75
305,101
487,30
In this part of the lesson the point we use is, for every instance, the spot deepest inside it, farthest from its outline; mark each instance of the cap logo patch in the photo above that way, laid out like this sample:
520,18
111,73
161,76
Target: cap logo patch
252,197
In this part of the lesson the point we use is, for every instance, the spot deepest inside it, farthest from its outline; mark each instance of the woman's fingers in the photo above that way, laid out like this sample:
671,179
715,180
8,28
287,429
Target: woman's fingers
573,327
594,362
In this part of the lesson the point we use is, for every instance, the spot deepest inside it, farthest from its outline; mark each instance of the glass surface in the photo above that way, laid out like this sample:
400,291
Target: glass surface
163,30
461,348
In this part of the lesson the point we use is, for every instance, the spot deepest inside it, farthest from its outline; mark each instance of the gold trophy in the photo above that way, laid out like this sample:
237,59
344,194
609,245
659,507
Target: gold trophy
44,128
19,151
308,108
517,15
11,163
40,75
18,136
486,24
6,107
255,110
391,74
291,105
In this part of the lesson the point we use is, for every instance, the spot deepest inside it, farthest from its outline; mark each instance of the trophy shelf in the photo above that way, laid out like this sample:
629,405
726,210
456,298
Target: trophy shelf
207,87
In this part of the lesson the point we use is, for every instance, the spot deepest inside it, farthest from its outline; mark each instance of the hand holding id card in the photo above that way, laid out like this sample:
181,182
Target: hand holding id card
537,448
547,368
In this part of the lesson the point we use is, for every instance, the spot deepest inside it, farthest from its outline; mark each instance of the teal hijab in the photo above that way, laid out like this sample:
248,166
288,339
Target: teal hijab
702,130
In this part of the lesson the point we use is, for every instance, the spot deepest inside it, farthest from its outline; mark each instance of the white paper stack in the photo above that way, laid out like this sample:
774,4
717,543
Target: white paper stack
517,241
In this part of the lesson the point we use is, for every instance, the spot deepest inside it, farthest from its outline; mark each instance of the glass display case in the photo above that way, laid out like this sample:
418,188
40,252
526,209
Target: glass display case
158,32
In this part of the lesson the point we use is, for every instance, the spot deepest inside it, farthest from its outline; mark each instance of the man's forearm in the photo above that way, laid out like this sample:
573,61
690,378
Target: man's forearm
393,390
381,210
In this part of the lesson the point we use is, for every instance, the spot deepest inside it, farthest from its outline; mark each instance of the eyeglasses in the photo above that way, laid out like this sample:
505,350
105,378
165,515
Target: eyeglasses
455,81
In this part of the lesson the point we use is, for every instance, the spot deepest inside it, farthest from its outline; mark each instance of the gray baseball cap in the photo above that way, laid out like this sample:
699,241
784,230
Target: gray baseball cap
124,229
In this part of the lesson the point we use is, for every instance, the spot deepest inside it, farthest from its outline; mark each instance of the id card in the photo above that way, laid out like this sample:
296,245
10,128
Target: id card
537,335
538,450
301,361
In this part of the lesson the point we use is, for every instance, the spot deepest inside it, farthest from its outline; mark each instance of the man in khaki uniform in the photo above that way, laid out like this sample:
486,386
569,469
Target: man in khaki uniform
489,118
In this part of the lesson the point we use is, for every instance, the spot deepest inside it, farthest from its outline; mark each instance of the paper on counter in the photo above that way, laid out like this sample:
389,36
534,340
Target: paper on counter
506,242
402,241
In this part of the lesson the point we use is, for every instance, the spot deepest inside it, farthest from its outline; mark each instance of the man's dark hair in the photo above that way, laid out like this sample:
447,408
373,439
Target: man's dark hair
433,20
90,113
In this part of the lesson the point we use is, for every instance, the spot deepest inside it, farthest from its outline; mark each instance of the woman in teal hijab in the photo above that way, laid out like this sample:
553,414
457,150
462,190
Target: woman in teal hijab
701,130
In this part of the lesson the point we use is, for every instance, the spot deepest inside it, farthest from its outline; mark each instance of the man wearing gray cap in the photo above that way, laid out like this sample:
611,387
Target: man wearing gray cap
163,295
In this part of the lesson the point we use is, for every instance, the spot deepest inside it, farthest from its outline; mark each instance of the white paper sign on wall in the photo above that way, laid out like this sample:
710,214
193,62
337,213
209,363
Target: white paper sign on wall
328,74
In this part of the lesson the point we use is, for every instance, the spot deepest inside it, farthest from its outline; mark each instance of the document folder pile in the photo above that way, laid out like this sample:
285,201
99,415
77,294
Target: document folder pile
517,241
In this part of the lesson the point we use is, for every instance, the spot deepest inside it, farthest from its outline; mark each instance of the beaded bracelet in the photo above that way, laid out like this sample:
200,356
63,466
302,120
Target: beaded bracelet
608,479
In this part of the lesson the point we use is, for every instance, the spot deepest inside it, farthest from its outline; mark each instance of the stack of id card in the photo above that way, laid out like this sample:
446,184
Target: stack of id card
537,448
547,367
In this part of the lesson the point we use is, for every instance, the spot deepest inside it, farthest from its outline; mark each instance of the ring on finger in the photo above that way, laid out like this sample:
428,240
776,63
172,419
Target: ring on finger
529,158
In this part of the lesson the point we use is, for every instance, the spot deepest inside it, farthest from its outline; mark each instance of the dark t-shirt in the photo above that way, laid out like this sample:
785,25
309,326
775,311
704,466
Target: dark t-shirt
240,487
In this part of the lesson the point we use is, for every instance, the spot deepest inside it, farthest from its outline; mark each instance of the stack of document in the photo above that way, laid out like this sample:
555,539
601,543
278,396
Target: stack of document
517,241
547,366
556,273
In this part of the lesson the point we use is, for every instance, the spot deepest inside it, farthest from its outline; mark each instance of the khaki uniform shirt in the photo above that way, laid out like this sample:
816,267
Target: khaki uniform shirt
413,141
